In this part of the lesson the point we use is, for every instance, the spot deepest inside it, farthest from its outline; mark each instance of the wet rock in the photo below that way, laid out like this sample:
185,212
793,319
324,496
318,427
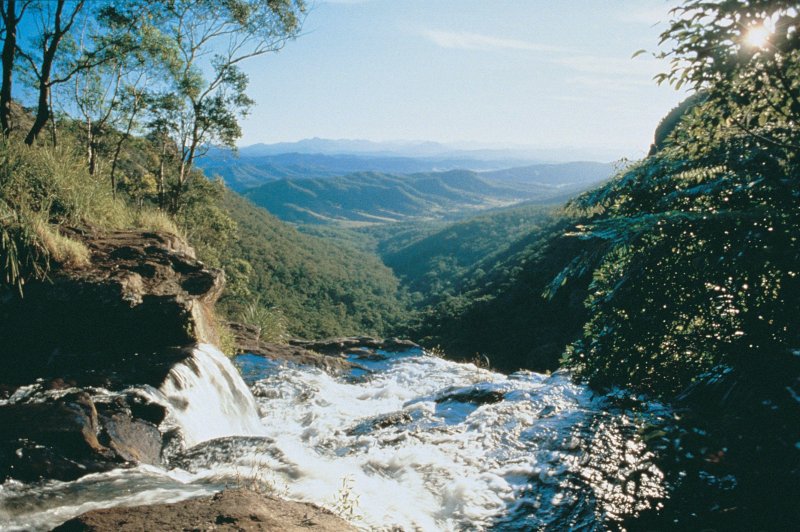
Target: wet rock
141,293
349,344
247,341
236,509
51,440
66,437
381,422
131,439
476,396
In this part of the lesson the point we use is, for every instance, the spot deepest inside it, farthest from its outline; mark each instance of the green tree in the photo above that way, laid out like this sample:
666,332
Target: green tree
744,57
55,22
695,249
208,88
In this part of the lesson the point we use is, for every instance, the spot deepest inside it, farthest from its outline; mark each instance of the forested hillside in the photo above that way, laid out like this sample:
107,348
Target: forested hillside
679,278
320,287
571,176
495,309
434,263
383,198
250,170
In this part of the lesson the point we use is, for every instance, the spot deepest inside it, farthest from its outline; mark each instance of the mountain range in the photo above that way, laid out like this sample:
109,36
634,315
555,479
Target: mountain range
369,197
355,182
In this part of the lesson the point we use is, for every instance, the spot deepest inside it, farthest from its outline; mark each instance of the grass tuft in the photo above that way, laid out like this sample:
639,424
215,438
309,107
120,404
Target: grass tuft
60,248
155,220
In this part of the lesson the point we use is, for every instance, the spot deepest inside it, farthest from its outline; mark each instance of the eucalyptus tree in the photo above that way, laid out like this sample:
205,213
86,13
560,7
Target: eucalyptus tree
70,37
111,96
54,22
11,14
211,39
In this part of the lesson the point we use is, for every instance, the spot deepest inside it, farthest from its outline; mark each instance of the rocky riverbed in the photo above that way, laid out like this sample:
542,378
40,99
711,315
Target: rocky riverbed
80,353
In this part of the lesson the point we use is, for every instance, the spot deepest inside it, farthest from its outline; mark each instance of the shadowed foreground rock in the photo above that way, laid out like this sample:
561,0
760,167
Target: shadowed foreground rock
116,322
141,293
236,509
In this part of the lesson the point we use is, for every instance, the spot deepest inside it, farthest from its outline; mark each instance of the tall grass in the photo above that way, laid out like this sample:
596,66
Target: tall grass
45,187
271,321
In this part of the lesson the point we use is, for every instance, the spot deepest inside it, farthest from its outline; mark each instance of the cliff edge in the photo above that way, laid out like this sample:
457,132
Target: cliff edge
139,294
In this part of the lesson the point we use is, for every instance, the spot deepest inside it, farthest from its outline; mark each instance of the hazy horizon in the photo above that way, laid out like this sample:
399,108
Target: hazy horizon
420,148
520,75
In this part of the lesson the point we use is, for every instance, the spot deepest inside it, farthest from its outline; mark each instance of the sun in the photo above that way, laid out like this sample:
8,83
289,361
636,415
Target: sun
757,36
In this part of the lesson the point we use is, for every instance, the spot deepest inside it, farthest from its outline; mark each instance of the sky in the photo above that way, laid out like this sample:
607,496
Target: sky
542,74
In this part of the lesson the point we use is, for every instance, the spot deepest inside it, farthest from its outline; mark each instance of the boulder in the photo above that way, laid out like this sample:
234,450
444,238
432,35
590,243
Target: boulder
141,294
66,437
248,341
229,510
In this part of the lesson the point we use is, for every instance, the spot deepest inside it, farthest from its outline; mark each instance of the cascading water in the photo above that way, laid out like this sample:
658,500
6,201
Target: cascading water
415,442
208,399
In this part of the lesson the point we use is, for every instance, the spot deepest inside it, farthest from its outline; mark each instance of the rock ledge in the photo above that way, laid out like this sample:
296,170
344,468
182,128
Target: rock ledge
235,509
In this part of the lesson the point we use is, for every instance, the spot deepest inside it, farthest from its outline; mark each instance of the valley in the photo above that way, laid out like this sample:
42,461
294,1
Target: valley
353,189
495,330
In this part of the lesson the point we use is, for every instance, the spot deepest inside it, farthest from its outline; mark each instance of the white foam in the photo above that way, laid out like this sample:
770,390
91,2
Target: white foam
391,451
429,475
207,398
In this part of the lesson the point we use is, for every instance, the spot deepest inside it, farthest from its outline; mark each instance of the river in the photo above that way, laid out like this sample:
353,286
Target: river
410,441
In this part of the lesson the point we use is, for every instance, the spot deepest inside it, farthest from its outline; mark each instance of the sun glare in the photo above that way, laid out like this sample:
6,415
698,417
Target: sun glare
757,36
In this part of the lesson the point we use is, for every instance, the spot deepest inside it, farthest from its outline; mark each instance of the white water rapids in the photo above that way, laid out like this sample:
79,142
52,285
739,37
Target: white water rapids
414,442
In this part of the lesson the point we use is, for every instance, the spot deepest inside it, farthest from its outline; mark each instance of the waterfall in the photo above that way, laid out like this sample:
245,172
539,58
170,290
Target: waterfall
208,399
420,443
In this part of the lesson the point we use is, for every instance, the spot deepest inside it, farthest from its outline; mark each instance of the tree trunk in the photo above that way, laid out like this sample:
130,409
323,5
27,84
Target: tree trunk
54,136
161,190
9,51
43,105
42,113
89,146
118,149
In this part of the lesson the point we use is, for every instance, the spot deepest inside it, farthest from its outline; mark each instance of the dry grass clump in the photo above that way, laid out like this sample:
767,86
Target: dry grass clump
60,248
156,220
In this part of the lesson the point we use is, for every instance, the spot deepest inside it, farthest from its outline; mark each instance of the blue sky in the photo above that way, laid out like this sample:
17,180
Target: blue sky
545,74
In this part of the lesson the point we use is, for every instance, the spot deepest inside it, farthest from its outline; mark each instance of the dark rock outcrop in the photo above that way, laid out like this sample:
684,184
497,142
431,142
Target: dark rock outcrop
236,509
141,293
66,437
117,322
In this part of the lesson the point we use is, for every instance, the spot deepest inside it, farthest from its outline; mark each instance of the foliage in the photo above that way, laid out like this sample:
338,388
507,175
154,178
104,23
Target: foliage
345,502
323,289
698,268
205,88
270,321
695,250
205,222
498,309
44,188
434,264
751,85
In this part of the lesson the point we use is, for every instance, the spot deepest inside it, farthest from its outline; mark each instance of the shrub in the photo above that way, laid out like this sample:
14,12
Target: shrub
270,320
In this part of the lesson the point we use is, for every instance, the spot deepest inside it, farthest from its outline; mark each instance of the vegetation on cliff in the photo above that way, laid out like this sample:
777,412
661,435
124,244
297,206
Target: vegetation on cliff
141,106
687,259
